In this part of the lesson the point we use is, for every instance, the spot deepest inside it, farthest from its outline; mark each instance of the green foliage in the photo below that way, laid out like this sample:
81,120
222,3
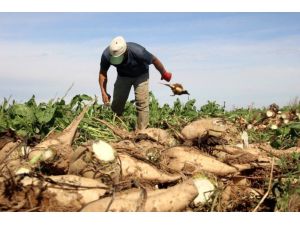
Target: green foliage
22,119
249,114
3,121
31,119
289,183
286,136
79,100
212,109
259,136
180,113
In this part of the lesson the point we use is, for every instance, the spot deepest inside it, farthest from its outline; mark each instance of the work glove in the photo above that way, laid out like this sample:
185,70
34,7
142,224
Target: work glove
166,76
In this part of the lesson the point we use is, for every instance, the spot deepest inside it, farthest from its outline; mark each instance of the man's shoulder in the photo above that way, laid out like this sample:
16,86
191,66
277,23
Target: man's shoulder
105,59
135,46
136,49
106,52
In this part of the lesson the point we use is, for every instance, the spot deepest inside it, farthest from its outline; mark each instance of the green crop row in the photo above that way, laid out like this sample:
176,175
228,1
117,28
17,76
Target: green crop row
31,120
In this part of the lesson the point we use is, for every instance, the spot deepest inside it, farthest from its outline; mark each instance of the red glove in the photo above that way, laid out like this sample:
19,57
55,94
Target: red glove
166,76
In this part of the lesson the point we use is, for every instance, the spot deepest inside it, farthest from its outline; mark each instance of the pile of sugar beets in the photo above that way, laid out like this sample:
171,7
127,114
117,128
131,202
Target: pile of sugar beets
205,167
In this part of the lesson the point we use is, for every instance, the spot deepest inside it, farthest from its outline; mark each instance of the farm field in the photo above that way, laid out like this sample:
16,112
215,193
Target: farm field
79,156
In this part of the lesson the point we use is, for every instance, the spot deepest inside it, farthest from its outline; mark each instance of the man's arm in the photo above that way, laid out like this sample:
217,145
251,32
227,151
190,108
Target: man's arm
160,67
102,84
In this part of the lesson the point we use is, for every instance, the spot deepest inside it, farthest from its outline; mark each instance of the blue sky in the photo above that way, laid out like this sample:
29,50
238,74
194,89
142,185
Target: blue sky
239,58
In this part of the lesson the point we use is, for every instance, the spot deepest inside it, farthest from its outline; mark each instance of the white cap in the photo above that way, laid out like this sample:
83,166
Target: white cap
117,49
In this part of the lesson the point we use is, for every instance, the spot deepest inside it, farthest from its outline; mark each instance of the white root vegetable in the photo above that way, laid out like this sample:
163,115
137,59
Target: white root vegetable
103,151
59,145
10,159
200,127
251,152
67,135
249,126
274,127
245,139
23,170
7,150
131,167
286,121
238,188
25,150
179,157
279,153
85,162
10,166
283,116
233,150
260,151
97,160
205,189
172,199
69,189
159,135
270,113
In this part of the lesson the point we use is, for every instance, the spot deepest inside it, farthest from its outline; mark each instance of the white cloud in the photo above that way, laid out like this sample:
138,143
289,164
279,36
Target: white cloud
41,66
238,73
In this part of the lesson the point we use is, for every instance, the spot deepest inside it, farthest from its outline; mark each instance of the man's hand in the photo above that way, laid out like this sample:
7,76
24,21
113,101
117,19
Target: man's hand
106,98
166,76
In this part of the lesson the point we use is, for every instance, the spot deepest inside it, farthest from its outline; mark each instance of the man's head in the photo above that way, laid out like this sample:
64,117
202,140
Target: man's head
117,48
